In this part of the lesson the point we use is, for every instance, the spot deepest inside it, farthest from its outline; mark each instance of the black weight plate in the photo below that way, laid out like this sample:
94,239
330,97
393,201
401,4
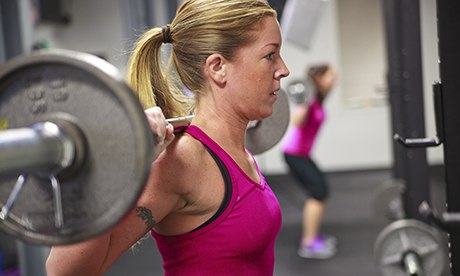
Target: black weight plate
268,132
60,84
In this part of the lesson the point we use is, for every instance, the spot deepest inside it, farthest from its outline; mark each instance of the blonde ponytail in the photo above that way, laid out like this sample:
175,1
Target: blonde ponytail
149,81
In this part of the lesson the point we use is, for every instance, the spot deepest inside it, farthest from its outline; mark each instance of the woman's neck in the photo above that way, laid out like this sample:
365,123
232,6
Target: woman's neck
223,127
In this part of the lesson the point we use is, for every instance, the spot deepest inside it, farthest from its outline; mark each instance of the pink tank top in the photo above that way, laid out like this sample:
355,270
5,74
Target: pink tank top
299,140
240,241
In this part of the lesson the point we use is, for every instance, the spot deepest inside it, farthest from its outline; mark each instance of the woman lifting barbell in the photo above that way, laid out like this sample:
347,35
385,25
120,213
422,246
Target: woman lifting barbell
206,203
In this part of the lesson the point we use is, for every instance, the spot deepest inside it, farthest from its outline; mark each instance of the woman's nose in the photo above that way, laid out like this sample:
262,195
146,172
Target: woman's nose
283,71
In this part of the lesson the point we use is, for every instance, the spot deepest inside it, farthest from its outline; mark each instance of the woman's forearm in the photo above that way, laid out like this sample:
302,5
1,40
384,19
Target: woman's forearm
85,258
96,256
299,116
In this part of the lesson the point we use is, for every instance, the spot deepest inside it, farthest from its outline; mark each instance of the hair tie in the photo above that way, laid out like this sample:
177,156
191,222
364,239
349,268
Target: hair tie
166,33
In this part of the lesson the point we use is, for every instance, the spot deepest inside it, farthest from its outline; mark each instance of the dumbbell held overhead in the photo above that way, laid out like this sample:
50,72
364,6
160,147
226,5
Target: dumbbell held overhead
76,147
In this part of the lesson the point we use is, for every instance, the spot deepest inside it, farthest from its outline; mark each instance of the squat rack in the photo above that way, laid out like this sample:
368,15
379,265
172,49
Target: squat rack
406,96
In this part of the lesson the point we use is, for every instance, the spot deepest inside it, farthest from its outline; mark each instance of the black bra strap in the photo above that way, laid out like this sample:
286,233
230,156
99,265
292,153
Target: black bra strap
228,189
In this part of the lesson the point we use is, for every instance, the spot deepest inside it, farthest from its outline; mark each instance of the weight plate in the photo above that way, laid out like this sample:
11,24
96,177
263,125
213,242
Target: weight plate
266,133
57,85
403,236
388,202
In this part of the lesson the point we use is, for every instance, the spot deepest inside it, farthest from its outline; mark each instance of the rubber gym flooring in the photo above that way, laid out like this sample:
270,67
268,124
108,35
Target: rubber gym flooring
350,216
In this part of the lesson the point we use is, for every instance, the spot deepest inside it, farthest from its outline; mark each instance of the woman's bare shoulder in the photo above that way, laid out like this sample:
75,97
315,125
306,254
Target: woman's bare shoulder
173,176
180,160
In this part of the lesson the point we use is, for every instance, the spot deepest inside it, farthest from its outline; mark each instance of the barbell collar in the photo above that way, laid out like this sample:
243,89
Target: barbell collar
412,265
42,148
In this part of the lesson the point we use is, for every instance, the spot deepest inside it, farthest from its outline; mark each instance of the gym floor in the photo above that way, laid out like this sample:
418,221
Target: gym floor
350,216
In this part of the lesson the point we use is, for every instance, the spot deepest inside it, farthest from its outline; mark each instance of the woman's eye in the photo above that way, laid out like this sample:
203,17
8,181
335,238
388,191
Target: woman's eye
270,56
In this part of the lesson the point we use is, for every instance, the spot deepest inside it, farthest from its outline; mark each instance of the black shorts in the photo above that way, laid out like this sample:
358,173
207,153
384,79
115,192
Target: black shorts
309,176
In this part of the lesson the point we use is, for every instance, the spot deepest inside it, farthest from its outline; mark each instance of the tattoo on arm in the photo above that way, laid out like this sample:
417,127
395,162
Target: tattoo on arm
146,215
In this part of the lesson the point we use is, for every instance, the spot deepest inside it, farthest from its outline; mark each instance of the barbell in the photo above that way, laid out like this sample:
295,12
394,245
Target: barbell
76,148
409,247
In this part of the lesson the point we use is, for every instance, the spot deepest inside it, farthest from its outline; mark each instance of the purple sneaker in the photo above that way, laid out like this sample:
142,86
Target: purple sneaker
328,239
318,249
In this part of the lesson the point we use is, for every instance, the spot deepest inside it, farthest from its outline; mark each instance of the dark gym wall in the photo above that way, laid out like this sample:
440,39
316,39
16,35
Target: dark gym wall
11,35
52,11
138,15
278,5
2,40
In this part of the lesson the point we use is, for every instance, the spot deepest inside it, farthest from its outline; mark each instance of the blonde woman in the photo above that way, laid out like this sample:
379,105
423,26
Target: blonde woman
206,203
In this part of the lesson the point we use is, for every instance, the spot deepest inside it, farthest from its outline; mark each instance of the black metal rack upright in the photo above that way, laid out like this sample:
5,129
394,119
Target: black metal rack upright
405,80
448,14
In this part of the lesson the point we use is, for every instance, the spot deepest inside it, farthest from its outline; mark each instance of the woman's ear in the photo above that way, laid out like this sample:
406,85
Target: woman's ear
215,67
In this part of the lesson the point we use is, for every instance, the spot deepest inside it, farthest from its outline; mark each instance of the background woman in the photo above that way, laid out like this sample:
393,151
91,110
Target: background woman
307,118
